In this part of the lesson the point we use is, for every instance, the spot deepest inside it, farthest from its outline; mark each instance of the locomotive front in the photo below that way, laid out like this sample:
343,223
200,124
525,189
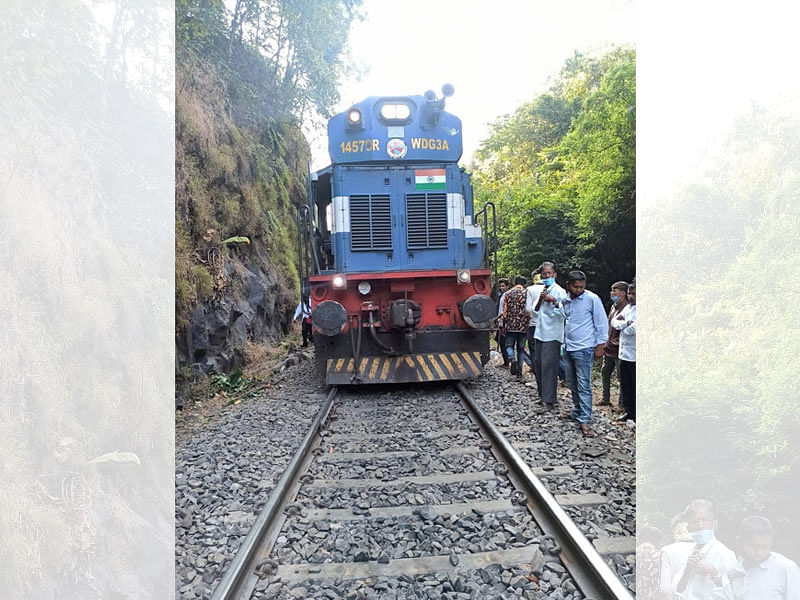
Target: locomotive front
398,276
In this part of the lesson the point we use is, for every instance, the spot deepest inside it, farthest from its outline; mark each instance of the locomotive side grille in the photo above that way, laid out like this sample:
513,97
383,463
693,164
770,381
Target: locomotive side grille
370,222
427,220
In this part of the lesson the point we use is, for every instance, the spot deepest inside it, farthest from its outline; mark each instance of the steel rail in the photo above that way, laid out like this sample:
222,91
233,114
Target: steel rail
243,564
593,576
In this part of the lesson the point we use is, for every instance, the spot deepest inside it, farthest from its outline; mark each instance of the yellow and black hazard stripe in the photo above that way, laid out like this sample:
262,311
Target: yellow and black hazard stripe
437,366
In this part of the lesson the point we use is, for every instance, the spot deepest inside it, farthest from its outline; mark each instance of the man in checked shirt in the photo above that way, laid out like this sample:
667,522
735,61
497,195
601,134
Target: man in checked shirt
515,319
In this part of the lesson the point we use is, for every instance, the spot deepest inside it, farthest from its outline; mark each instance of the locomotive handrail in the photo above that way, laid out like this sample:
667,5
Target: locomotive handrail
306,240
490,241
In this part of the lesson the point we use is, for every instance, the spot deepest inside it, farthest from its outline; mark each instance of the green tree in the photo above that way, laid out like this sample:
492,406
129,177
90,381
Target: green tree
721,253
561,171
247,74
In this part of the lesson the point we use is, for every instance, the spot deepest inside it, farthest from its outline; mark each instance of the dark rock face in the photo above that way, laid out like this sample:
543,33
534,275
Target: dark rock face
255,305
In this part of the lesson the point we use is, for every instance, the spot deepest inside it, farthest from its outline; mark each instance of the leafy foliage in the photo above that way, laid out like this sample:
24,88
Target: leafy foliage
238,239
86,149
244,79
292,50
719,253
562,172
234,382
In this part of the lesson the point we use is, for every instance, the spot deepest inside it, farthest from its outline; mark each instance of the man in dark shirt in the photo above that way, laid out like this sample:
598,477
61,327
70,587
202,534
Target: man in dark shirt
502,288
515,319
619,300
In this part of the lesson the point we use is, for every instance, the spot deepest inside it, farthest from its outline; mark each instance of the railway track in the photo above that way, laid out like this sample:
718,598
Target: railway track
396,494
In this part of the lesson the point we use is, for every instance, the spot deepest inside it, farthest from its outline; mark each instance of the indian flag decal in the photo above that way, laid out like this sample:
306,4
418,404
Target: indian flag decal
429,179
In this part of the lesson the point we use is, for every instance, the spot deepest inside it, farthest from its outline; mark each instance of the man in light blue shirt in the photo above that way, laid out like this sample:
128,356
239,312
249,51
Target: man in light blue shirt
548,313
585,338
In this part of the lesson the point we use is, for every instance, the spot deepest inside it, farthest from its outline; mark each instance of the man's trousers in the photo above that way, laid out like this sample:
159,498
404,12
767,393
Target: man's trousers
627,374
545,368
610,364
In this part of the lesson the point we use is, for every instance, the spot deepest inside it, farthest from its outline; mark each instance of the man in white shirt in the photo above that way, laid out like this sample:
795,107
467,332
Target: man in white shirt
700,573
304,310
674,555
533,292
759,574
625,323
549,336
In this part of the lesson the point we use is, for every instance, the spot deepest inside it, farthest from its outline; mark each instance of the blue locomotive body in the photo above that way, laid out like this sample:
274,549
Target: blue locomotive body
428,133
382,218
395,249
396,180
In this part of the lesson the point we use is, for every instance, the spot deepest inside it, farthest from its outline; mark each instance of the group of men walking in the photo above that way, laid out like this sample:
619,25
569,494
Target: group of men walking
570,324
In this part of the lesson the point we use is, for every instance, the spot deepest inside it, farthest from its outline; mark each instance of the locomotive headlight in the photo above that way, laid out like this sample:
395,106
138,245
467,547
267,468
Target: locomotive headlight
463,276
364,288
395,111
354,116
339,281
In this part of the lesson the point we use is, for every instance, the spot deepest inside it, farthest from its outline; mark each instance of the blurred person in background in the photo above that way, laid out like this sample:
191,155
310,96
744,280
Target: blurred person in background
625,323
648,563
532,293
759,574
502,288
695,570
304,310
673,556
619,300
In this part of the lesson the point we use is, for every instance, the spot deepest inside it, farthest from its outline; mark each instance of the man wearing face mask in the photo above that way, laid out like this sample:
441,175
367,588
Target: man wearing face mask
549,334
619,300
707,561
760,574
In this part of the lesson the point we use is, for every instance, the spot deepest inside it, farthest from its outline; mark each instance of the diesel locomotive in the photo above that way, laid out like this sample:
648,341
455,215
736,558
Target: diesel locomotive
394,257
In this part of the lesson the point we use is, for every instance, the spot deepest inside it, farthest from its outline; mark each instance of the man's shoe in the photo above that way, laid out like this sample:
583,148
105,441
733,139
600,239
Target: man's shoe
513,368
